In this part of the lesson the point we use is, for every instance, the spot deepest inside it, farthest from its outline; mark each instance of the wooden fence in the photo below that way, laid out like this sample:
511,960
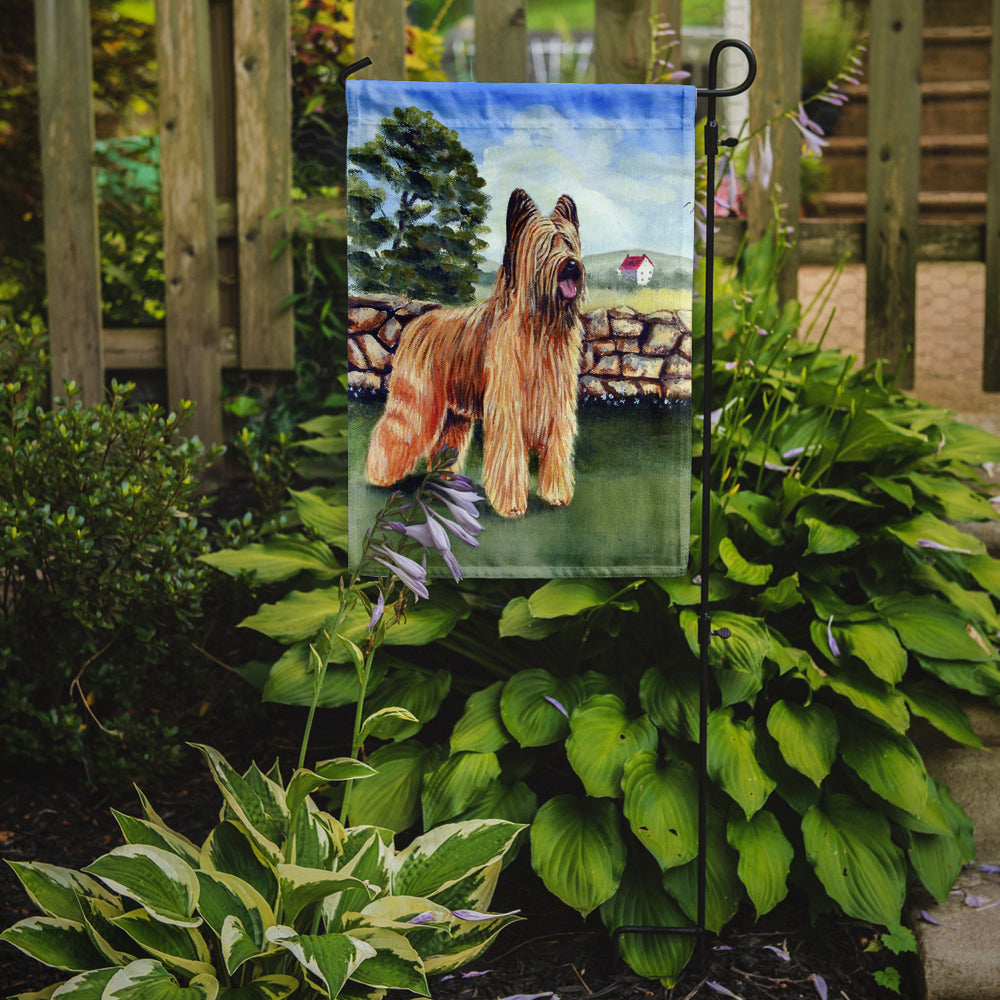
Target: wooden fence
226,161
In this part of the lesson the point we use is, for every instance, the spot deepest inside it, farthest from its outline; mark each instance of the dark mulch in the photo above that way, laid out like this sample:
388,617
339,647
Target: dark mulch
551,951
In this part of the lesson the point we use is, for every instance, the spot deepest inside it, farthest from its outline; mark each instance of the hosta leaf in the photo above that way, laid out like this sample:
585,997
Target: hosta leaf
957,501
481,727
661,799
230,849
530,706
760,512
147,979
870,435
417,690
931,628
765,858
828,539
976,678
986,571
738,661
641,901
732,760
141,831
456,784
517,620
723,889
558,598
577,850
56,891
54,941
260,809
225,897
279,558
807,736
783,595
516,803
86,986
739,569
888,763
274,987
876,646
850,848
301,887
866,692
395,964
441,857
387,723
671,699
327,520
937,859
941,709
928,528
330,959
391,798
602,738
684,592
159,881
304,782
180,948
465,941
366,856
291,680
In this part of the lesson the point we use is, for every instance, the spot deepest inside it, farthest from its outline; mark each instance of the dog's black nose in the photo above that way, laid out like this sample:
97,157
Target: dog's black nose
571,270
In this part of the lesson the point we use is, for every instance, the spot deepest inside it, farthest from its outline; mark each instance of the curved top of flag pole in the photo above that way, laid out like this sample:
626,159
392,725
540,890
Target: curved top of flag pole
712,90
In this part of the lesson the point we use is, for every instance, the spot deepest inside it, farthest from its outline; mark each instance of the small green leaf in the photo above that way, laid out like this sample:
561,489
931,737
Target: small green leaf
739,569
807,736
559,598
535,706
577,850
888,763
828,539
518,621
765,858
481,727
391,798
670,698
936,704
456,785
732,760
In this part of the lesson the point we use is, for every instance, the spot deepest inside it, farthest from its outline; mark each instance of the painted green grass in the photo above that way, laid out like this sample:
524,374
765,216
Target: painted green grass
630,513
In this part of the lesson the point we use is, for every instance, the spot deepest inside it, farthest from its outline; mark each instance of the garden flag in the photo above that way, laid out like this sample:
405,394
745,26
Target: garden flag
519,267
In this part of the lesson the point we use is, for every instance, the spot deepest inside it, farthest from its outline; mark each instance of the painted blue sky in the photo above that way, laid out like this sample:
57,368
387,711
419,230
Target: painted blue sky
624,153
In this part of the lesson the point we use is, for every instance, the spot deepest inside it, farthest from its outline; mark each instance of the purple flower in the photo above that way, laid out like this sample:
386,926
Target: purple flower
475,915
456,528
558,705
427,917
820,983
410,572
465,515
780,952
927,543
377,611
811,132
834,648
761,164
719,988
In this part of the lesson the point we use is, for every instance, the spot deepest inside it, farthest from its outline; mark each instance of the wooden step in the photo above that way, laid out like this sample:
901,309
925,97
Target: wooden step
947,162
957,206
956,53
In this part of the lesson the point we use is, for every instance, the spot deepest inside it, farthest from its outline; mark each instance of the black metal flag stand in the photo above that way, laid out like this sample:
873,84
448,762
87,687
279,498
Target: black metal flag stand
705,631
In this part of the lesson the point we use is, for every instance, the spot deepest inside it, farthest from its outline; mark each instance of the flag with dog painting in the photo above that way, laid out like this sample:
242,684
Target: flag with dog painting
519,268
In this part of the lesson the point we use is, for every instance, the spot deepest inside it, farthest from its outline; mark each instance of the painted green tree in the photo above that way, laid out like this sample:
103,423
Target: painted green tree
416,210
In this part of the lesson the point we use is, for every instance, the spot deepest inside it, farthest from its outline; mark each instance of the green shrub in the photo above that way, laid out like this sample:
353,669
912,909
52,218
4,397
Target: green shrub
279,900
101,584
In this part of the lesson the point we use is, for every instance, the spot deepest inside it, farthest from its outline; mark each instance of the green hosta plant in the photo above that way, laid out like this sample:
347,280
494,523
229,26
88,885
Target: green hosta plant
279,900
855,605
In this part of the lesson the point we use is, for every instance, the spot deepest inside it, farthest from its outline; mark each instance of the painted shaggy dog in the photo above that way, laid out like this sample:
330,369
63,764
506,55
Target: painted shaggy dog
511,361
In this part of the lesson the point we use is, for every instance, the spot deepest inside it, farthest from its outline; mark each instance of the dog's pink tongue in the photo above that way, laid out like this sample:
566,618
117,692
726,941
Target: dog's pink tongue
568,287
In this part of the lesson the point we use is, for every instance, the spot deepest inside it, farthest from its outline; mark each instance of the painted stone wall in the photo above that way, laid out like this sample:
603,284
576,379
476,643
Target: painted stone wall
626,354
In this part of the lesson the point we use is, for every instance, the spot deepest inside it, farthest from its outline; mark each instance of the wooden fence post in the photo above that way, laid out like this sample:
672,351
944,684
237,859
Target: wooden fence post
892,215
991,332
190,251
72,255
380,34
621,40
261,57
501,41
776,35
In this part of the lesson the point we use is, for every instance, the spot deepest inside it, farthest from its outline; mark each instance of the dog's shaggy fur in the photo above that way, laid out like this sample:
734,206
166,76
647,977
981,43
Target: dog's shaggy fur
511,361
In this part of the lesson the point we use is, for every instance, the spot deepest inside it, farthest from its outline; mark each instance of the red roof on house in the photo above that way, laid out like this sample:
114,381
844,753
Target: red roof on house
633,263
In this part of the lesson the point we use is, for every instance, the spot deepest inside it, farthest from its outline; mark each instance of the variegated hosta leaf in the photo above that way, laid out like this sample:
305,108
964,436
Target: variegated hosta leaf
225,897
476,890
888,763
274,987
481,727
456,784
723,889
315,838
732,760
395,964
642,902
850,847
56,891
578,851
304,782
141,831
149,980
300,887
256,801
602,738
441,857
177,947
367,853
535,706
116,947
54,941
807,736
158,880
661,802
417,690
329,959
230,849
86,986
765,858
466,941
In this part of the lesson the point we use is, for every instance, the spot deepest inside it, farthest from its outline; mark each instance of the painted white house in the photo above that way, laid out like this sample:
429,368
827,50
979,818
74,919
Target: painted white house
637,269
